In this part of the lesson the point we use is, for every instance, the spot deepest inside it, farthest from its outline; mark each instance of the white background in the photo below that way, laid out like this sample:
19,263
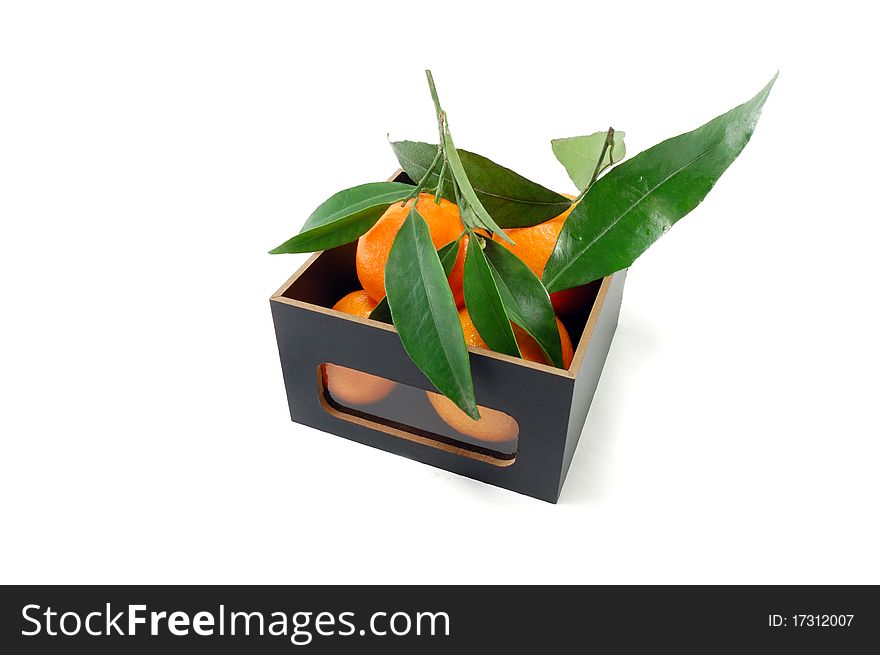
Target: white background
151,153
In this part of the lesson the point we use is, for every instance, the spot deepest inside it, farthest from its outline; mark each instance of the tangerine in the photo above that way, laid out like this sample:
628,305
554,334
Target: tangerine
348,385
445,225
493,425
528,347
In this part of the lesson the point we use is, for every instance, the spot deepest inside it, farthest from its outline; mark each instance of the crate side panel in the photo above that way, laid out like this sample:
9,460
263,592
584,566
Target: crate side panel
538,400
591,368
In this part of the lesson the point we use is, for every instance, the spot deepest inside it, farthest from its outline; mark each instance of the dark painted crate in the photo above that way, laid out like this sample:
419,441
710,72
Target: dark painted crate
549,404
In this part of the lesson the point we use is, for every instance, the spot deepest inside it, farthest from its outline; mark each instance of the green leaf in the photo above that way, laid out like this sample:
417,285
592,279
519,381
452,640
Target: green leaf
635,203
447,254
469,196
511,199
425,314
345,216
580,155
484,305
525,299
382,312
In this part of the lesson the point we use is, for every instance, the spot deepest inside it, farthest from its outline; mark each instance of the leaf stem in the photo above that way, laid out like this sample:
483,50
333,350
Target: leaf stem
441,115
473,214
463,207
606,148
421,184
457,193
438,191
441,131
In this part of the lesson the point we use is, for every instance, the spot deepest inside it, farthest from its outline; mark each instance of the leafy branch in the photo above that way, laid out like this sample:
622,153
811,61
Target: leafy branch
637,202
607,148
473,213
